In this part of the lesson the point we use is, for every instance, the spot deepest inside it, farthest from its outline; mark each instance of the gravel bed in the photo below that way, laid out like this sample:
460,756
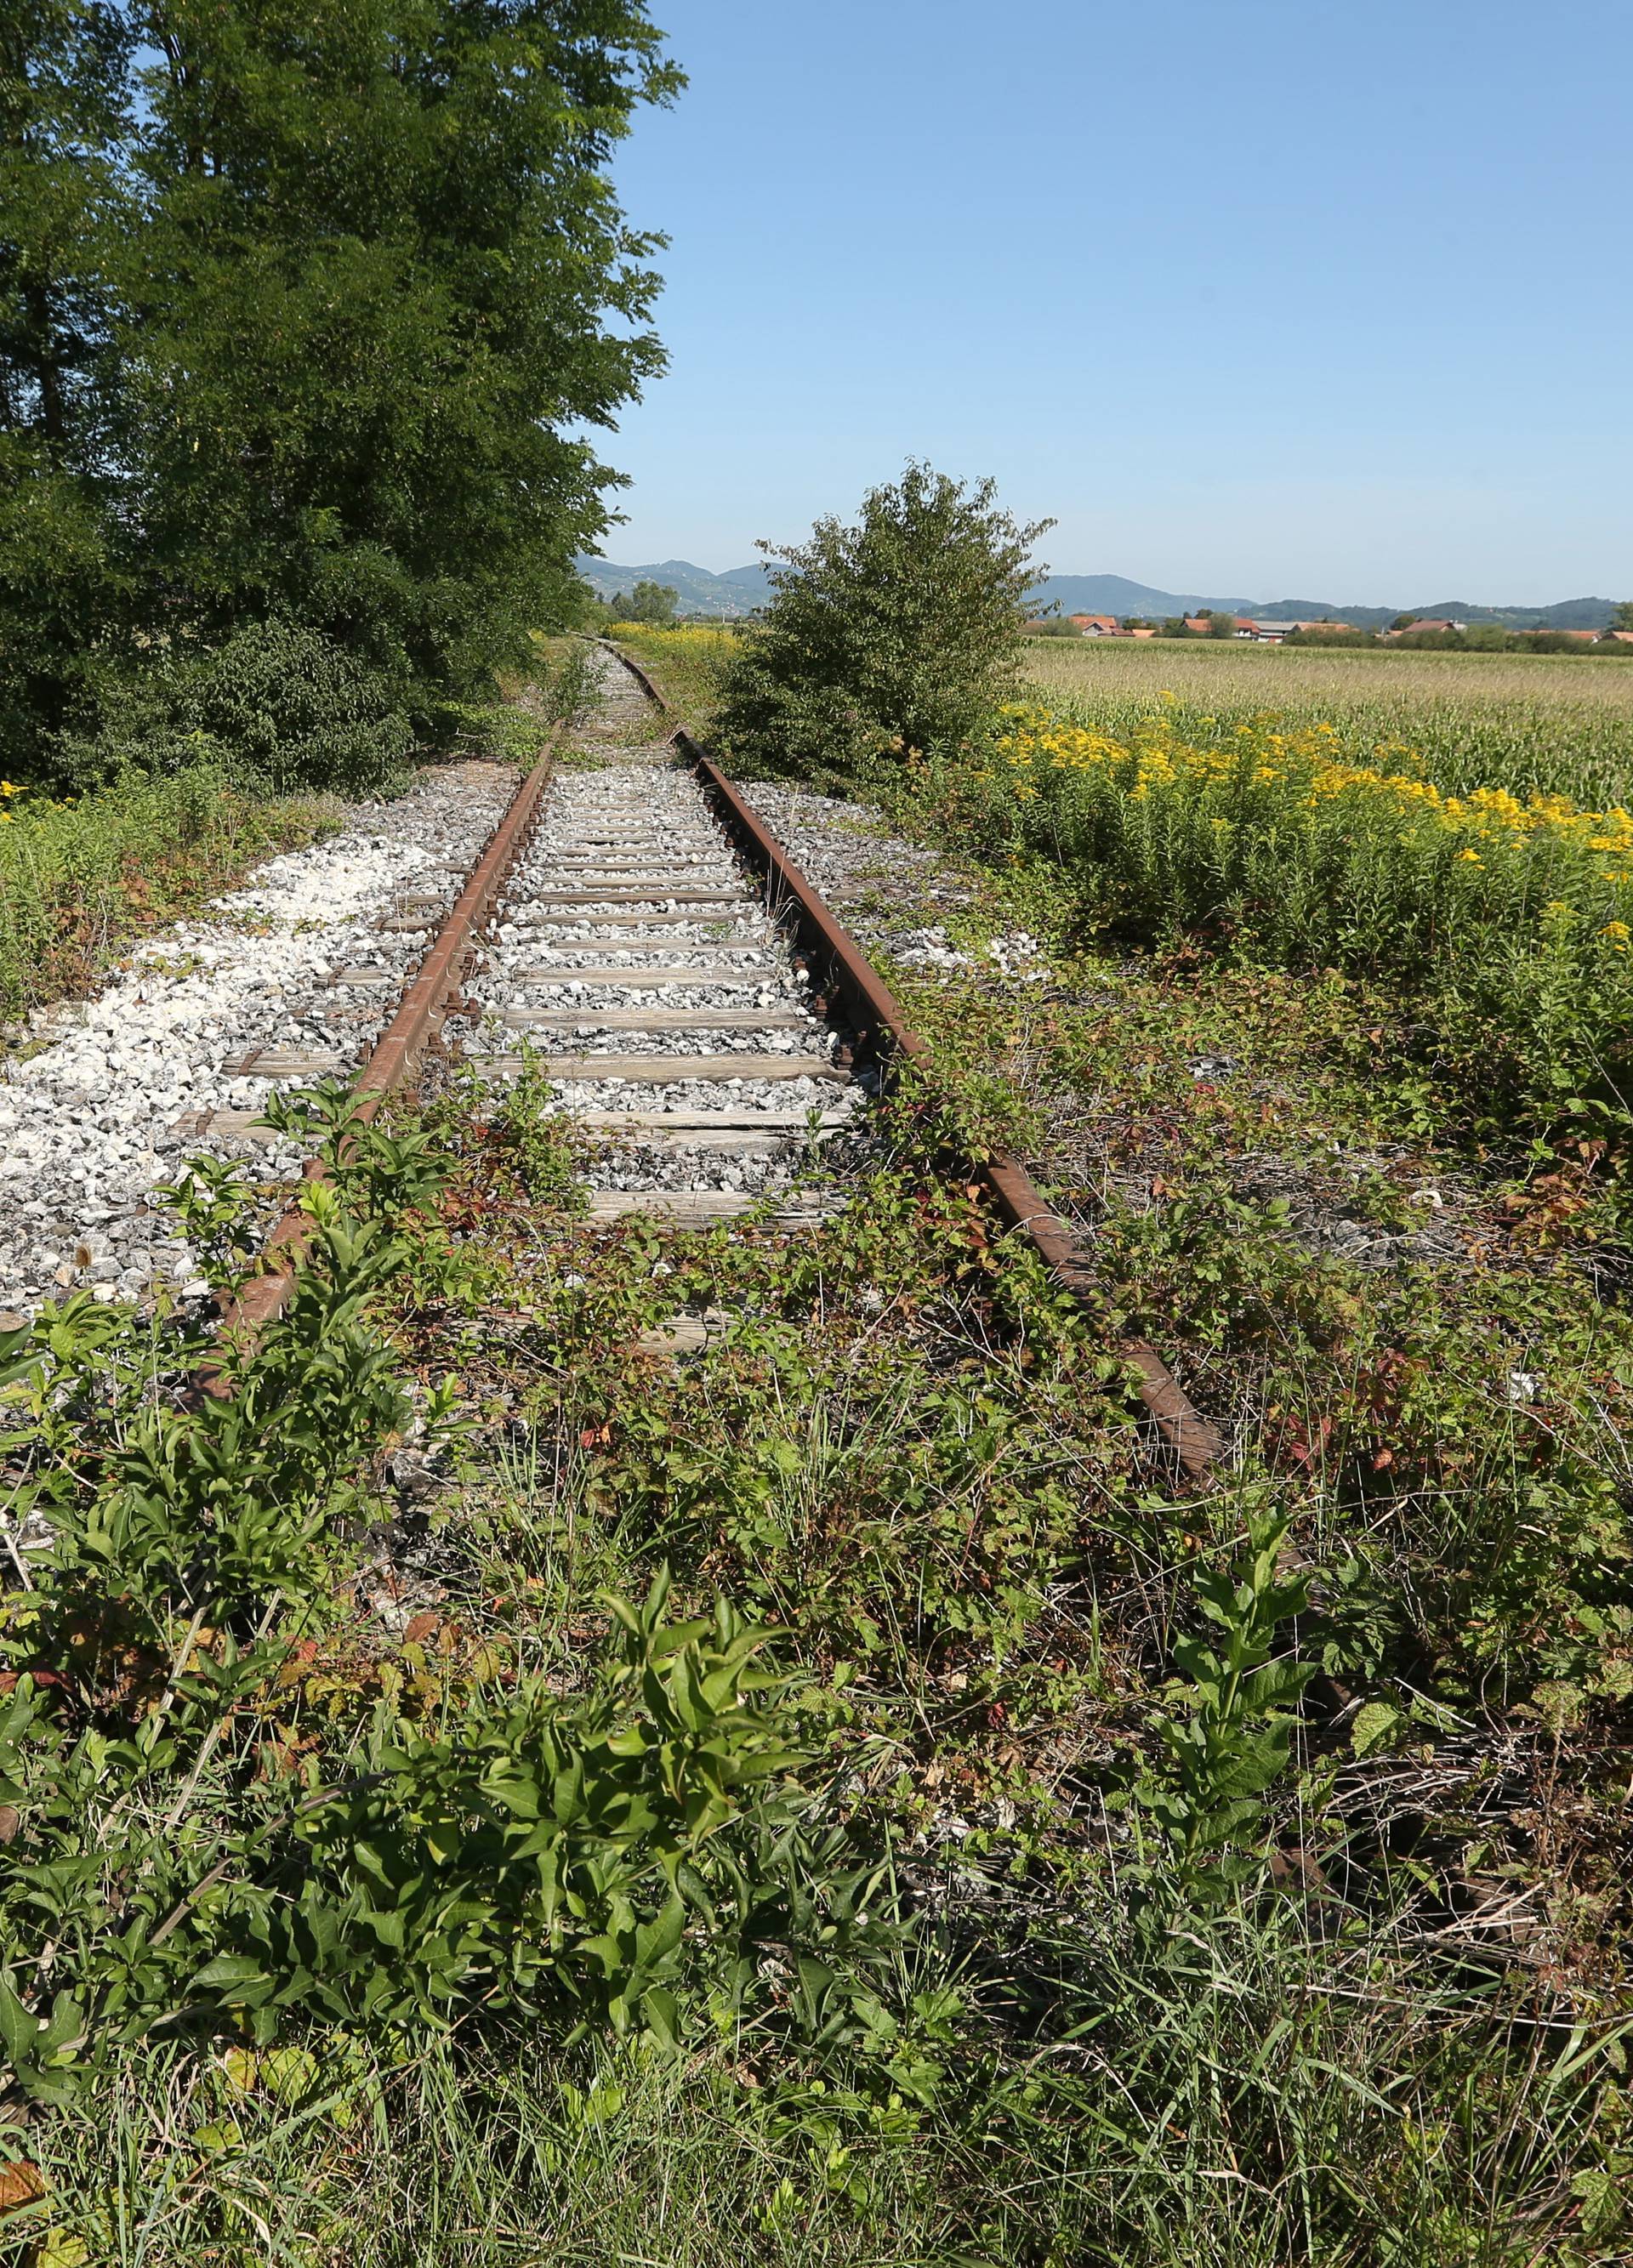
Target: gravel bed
848,851
90,1101
637,823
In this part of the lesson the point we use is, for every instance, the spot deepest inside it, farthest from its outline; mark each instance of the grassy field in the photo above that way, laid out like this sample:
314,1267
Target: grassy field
1549,723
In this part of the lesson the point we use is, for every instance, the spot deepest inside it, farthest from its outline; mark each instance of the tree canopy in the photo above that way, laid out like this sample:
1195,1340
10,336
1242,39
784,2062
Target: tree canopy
305,308
899,632
648,602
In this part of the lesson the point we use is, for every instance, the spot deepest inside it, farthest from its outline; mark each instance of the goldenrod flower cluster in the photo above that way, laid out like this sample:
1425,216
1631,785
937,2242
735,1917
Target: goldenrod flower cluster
685,638
1262,776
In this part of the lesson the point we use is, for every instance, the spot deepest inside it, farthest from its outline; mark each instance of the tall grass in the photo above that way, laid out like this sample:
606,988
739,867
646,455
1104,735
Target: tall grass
79,879
1534,723
1229,2095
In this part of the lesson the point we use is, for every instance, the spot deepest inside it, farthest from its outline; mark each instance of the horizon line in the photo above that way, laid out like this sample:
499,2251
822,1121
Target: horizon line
1096,574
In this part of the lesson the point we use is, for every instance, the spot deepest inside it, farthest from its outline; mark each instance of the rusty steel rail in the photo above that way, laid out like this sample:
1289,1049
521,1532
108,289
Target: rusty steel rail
883,1033
393,1062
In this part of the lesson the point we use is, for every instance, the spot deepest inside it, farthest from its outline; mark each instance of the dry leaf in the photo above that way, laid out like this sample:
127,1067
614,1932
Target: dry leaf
21,2183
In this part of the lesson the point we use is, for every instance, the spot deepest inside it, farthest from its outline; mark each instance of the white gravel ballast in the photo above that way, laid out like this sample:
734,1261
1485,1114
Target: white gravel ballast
102,1099
635,962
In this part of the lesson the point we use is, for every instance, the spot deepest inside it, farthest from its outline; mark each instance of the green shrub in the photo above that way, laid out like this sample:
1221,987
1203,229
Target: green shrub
902,632
275,707
290,708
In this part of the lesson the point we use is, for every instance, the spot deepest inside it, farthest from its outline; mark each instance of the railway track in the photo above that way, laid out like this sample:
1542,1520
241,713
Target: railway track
636,938
638,966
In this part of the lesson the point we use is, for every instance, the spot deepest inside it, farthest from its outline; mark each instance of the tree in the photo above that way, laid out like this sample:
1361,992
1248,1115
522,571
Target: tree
306,308
900,632
653,603
1622,618
65,209
386,279
1221,626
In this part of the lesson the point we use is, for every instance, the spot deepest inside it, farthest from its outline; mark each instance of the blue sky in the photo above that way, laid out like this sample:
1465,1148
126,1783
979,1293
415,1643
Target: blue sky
1262,299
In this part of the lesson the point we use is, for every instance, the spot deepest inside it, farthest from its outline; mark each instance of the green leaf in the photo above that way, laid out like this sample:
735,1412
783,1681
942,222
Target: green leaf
662,2011
1374,1726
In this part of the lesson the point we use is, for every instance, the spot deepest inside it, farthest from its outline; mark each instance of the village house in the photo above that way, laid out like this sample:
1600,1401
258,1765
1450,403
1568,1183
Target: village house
1248,627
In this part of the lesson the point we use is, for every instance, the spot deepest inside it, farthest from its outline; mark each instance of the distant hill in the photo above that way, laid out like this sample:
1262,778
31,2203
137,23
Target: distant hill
741,590
737,592
1115,594
1568,614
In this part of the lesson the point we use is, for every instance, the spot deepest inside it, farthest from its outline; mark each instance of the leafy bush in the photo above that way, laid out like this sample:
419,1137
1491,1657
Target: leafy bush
900,633
288,707
275,707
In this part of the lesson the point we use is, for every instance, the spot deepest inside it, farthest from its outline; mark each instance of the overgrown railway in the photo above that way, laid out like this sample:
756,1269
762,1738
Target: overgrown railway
895,1455
635,936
